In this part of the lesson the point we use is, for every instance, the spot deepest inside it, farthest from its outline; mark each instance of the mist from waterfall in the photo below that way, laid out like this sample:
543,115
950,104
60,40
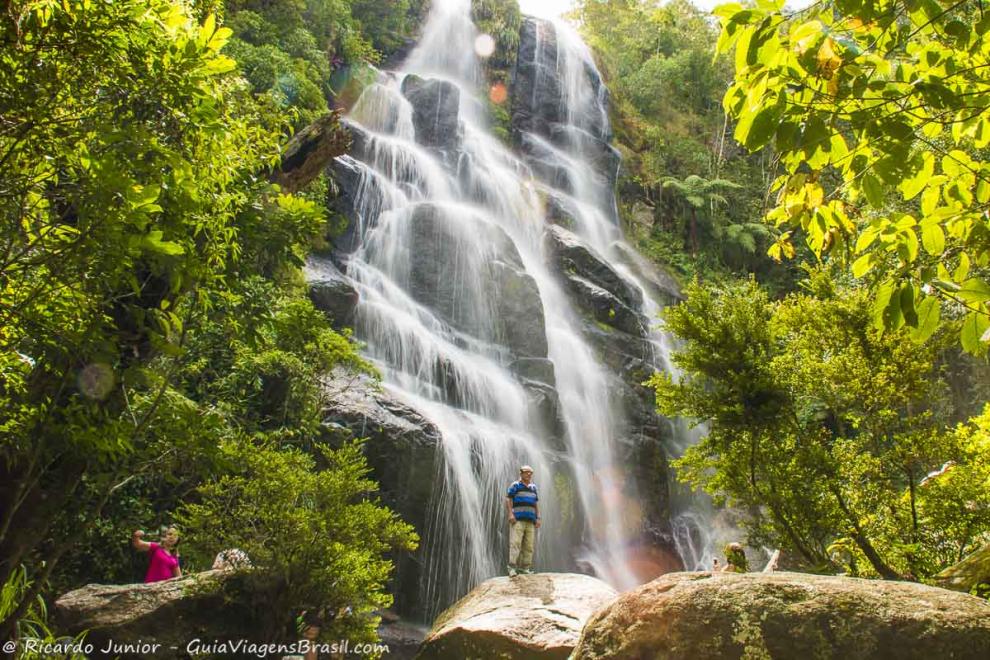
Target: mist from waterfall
447,354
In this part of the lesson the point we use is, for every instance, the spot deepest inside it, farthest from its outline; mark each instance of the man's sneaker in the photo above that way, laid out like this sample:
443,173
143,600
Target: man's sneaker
512,572
527,571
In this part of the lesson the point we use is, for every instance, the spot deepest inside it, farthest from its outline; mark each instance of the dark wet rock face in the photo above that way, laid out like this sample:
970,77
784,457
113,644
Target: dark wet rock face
402,449
436,111
331,291
573,256
435,243
536,93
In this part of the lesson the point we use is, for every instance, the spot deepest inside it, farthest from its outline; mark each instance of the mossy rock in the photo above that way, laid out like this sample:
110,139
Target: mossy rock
702,616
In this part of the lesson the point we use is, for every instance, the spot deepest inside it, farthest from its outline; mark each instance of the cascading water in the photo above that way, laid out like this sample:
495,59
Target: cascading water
465,312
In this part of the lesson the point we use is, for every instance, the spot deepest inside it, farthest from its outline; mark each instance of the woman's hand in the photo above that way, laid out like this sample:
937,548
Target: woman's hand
139,544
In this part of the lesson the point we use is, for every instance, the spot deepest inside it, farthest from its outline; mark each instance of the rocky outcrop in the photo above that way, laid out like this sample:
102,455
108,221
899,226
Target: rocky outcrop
573,256
436,111
402,449
702,616
605,307
529,616
438,251
967,574
536,93
330,290
169,613
401,445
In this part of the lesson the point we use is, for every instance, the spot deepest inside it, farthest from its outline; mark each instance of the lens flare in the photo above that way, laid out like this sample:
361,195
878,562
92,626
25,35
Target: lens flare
484,45
498,94
96,380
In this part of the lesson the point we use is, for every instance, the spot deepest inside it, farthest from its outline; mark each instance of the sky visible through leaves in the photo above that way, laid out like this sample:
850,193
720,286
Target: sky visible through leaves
554,8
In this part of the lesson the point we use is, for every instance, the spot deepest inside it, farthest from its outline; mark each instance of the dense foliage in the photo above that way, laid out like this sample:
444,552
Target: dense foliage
154,325
879,113
689,194
320,538
305,52
830,433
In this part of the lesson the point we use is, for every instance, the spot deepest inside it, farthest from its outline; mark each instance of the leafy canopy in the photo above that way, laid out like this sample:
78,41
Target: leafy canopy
314,538
151,307
878,110
824,429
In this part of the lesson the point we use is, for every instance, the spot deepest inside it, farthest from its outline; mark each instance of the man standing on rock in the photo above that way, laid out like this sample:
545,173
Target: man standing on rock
522,504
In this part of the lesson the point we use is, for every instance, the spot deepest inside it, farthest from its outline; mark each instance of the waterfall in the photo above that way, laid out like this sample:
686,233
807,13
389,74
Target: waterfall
464,309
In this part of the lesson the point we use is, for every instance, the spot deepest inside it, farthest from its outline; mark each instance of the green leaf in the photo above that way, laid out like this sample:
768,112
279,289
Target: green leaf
933,239
929,316
863,265
153,243
975,325
873,190
887,307
907,305
974,291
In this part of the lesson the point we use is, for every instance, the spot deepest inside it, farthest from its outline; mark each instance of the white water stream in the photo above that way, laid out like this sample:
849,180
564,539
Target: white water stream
484,208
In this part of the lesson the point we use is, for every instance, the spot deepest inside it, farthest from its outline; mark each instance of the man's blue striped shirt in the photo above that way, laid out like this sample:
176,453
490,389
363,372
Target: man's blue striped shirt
524,499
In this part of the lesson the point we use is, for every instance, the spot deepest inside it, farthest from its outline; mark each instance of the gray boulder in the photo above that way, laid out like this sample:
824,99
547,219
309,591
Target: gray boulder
436,111
529,616
330,290
705,616
402,449
170,613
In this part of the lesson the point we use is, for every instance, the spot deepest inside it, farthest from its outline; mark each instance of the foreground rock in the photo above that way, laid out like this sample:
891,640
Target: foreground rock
698,616
529,616
169,613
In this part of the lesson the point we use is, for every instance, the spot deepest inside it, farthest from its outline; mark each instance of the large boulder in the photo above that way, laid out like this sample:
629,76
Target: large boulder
436,111
170,613
330,290
529,616
402,449
700,616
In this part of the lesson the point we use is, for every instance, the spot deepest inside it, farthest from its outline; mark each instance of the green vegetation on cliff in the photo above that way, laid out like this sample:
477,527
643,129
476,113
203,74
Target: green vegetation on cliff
689,195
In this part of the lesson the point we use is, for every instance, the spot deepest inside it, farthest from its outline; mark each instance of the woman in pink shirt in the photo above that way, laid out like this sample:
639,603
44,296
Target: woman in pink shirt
164,560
